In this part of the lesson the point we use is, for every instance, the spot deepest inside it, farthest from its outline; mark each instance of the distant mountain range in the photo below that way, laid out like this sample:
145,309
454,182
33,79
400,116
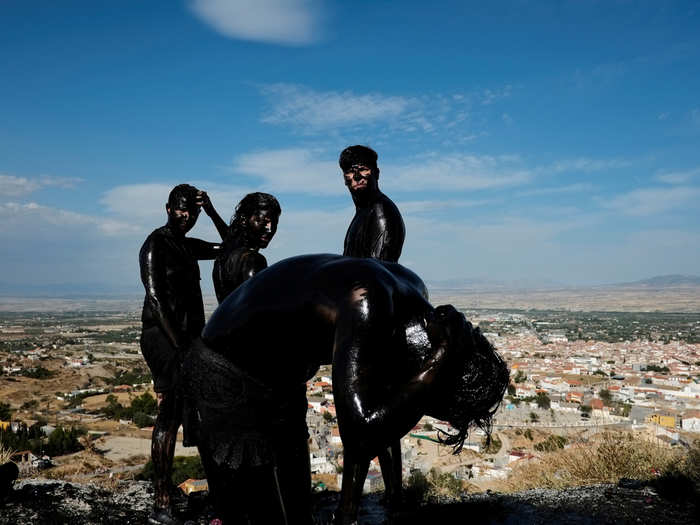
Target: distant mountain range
658,281
665,281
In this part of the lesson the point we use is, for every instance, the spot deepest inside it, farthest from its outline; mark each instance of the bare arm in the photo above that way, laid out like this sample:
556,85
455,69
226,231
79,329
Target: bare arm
370,416
203,250
387,233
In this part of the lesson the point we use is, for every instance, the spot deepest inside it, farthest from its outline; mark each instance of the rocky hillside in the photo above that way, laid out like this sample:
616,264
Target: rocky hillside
40,501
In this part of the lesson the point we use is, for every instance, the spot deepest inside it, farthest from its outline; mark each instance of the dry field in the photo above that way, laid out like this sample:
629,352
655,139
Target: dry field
613,299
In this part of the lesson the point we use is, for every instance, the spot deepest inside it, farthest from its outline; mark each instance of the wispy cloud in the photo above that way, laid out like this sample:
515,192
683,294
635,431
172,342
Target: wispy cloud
290,22
312,111
585,165
432,205
571,188
651,201
12,186
456,172
305,107
678,177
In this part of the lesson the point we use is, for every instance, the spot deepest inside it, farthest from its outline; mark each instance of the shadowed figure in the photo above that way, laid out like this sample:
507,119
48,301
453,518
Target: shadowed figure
395,358
252,227
173,315
377,231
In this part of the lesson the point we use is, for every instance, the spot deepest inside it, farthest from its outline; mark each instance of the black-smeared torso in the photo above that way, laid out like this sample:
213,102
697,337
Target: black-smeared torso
377,230
234,267
171,263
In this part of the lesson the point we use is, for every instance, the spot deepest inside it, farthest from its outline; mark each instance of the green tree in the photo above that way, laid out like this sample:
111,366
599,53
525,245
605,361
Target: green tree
145,403
519,377
606,397
534,417
511,389
142,420
543,400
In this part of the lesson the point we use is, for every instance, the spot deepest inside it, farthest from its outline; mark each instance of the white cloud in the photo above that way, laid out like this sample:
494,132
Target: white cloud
310,111
303,107
455,172
651,201
144,204
291,22
304,171
20,217
678,177
12,186
292,171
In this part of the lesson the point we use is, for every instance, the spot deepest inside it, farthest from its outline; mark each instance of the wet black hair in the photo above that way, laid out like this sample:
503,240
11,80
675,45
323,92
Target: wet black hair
251,203
358,154
182,190
476,380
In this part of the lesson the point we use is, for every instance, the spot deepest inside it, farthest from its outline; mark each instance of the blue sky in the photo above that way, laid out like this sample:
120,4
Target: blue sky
525,142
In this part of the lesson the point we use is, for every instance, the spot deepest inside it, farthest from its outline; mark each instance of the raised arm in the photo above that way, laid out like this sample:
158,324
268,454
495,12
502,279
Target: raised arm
204,201
153,276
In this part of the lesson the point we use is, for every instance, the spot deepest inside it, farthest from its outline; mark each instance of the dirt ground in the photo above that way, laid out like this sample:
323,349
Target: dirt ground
119,448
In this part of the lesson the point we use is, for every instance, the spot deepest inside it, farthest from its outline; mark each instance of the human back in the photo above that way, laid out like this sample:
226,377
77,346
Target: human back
281,324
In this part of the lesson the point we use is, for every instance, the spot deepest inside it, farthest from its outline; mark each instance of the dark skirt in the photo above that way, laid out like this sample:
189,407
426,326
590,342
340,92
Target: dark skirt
234,418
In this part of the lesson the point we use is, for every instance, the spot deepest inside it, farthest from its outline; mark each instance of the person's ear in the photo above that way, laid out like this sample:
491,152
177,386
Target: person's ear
167,208
376,173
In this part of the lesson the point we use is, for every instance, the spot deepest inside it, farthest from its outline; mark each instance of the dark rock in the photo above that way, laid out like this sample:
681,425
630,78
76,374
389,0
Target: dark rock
40,501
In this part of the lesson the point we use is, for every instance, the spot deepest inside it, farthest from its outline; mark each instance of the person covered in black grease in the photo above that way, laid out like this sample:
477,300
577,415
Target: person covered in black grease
172,317
395,358
377,231
252,227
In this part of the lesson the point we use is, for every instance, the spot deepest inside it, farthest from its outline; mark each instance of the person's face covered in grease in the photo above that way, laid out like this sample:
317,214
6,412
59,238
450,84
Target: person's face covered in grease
183,211
360,178
262,227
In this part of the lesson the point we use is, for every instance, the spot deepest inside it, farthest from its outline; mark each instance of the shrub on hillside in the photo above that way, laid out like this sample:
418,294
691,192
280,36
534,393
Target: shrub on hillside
615,456
184,467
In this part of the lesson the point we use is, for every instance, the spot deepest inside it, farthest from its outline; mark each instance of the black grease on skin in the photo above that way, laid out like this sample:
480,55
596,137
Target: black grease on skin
377,229
392,349
252,227
173,315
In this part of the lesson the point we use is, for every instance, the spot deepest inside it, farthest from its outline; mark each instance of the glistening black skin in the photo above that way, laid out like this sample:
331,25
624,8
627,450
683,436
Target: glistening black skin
377,231
252,227
395,358
173,315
